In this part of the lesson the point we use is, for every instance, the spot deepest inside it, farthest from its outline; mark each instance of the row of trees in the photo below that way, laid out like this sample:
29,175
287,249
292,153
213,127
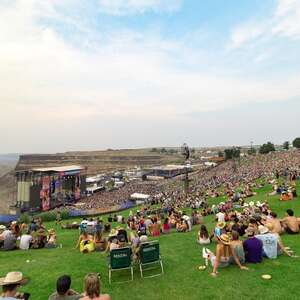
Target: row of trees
268,147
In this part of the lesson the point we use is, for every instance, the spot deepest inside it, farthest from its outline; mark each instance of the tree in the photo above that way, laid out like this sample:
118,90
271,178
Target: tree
266,148
296,142
286,145
230,153
251,151
220,154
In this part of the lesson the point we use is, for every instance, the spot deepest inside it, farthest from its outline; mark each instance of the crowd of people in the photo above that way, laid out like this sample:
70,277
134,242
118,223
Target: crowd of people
244,232
105,200
26,236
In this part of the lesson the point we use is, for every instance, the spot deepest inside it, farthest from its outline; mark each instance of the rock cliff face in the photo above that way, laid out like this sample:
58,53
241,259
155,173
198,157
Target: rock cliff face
96,161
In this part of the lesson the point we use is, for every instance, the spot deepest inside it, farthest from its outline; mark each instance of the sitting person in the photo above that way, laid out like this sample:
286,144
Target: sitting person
285,196
25,241
100,244
290,222
51,240
225,255
269,241
237,247
85,244
203,236
155,228
275,222
166,226
253,247
10,242
113,242
63,291
182,226
92,288
280,246
10,284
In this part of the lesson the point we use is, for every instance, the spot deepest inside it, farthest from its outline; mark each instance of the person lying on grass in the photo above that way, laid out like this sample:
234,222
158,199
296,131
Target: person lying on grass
225,254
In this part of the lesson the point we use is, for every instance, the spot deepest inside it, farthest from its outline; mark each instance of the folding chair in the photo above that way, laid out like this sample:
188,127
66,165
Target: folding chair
149,255
120,259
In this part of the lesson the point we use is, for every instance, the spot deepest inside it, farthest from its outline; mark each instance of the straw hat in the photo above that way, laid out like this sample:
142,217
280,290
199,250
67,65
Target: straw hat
250,231
263,229
112,233
224,238
51,231
13,278
221,225
143,238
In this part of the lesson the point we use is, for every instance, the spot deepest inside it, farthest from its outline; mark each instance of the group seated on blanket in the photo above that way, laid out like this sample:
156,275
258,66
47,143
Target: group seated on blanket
24,237
261,231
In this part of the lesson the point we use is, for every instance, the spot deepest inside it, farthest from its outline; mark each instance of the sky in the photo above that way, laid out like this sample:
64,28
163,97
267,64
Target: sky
98,74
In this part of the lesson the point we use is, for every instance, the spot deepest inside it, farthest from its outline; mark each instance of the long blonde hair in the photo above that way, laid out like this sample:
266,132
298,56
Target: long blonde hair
92,285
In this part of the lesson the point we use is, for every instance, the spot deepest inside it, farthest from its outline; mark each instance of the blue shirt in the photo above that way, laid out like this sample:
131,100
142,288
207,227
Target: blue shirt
253,250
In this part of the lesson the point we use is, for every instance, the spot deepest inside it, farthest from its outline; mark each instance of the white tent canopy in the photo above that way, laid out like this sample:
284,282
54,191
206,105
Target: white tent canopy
138,196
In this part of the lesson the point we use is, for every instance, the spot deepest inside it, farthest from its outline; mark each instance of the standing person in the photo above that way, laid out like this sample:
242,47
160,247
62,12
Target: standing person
10,284
58,218
92,288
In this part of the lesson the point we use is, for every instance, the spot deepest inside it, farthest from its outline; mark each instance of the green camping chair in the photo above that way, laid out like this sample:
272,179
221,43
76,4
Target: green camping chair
120,259
149,255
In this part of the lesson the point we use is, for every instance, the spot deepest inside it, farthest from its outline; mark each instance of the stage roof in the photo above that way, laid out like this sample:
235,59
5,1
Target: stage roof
59,169
169,167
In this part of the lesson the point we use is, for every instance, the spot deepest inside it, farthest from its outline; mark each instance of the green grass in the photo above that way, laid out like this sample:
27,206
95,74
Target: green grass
181,256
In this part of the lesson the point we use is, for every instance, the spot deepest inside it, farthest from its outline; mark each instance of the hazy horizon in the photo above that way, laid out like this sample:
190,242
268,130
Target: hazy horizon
78,75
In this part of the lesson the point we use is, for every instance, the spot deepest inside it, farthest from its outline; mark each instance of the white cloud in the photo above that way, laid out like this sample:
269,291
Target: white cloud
284,22
47,80
125,7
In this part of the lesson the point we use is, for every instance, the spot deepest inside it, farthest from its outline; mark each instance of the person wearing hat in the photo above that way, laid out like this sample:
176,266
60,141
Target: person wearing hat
225,254
269,240
10,284
280,246
253,247
51,240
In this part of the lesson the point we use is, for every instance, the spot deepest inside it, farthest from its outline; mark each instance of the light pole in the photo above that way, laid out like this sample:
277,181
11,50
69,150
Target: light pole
185,151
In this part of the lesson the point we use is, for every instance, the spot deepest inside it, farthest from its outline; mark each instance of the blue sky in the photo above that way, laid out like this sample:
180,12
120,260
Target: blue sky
101,73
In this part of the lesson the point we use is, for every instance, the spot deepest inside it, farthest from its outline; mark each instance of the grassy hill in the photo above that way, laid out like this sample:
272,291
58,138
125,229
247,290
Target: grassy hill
181,256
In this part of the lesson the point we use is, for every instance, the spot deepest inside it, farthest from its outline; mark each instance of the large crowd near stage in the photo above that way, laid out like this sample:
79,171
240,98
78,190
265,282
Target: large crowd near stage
245,232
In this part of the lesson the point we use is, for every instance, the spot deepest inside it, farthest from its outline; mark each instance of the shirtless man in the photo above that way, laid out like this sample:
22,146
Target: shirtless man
275,223
290,222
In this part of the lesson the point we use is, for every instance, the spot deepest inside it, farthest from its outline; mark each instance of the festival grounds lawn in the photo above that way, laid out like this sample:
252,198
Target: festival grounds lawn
181,257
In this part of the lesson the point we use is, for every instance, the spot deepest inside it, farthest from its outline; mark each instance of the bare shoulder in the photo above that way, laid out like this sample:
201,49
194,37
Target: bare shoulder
105,297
